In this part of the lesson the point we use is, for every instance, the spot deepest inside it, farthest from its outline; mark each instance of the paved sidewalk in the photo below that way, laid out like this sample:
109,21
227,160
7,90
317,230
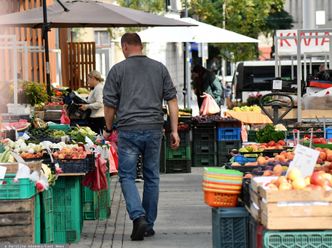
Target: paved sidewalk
184,221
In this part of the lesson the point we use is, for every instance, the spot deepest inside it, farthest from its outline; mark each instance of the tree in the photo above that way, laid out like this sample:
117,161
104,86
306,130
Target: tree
154,6
247,17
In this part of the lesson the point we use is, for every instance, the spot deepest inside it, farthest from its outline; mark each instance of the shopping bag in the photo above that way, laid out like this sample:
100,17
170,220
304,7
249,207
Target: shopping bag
209,106
64,119
96,180
113,159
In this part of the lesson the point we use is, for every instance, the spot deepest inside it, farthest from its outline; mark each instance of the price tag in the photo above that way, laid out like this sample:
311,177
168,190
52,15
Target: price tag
88,141
305,160
277,84
3,170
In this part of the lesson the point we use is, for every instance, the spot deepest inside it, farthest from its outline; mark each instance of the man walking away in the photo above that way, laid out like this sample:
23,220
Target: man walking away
134,91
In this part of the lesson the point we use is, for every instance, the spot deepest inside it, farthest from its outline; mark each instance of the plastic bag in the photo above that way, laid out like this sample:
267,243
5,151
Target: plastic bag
96,180
113,159
64,118
209,106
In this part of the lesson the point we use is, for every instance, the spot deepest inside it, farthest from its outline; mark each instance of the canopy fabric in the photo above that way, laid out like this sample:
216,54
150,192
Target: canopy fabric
202,33
83,13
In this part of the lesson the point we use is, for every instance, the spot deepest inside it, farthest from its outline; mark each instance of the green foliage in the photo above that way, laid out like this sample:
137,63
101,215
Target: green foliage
268,134
35,93
153,6
247,17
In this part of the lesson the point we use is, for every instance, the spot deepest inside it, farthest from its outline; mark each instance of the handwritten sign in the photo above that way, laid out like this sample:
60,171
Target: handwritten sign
305,160
277,84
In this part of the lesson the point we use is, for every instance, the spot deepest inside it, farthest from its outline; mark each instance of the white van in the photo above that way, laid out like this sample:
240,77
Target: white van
257,76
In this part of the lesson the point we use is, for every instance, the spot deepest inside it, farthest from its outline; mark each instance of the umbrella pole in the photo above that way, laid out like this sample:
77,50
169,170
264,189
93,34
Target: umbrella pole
47,55
185,75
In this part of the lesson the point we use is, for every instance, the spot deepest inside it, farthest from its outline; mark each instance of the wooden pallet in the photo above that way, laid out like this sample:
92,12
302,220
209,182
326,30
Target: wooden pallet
17,221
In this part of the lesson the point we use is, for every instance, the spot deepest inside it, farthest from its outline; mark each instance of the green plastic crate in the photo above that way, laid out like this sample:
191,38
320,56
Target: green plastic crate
67,210
24,188
297,239
230,227
37,220
89,202
47,215
182,153
104,201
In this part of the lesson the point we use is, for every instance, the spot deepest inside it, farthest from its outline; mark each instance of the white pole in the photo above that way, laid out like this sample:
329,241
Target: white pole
15,70
25,52
276,39
309,14
299,78
305,67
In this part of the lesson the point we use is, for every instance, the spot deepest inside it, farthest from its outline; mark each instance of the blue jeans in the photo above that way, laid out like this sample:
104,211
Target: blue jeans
130,145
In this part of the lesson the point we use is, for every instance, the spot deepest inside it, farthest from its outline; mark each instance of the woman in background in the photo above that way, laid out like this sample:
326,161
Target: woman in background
95,102
206,81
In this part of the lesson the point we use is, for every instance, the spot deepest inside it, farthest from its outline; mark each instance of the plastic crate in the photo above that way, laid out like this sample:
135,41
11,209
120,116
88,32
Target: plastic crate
89,203
37,221
225,147
328,133
204,133
184,138
255,233
289,134
104,201
75,165
228,133
202,160
226,123
178,166
182,153
229,227
297,239
47,216
67,210
24,188
205,147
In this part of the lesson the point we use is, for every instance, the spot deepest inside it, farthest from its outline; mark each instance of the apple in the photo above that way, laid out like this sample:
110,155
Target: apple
281,180
277,170
294,174
285,186
307,181
271,186
317,178
299,183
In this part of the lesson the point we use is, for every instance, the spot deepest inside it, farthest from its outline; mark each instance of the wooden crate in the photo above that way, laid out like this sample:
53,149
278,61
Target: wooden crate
295,209
17,221
13,167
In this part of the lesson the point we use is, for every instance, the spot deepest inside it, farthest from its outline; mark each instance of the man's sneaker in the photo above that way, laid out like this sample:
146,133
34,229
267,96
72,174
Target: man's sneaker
149,233
139,179
139,228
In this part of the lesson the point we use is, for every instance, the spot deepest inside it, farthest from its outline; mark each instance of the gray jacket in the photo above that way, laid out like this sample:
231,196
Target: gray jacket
136,87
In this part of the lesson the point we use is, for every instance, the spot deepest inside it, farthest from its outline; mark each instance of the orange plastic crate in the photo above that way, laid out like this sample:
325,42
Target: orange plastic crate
215,199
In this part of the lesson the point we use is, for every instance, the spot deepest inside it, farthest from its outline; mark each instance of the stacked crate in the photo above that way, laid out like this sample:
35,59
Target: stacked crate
230,227
204,145
67,210
228,138
179,160
19,211
96,204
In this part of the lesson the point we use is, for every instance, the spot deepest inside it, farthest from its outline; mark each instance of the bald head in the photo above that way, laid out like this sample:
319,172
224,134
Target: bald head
131,44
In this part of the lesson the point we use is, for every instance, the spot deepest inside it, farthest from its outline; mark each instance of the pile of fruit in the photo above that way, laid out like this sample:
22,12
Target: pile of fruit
76,152
295,180
253,108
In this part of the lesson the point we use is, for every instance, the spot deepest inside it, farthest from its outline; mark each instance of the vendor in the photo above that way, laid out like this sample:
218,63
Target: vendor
323,74
95,102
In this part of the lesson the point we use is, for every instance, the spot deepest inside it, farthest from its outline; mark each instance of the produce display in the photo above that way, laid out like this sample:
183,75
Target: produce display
19,125
253,108
268,133
70,153
78,134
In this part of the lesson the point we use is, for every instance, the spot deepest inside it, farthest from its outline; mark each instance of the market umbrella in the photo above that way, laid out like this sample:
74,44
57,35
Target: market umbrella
82,14
200,33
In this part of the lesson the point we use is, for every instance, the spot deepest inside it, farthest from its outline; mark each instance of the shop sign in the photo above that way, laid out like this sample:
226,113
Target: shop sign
311,42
